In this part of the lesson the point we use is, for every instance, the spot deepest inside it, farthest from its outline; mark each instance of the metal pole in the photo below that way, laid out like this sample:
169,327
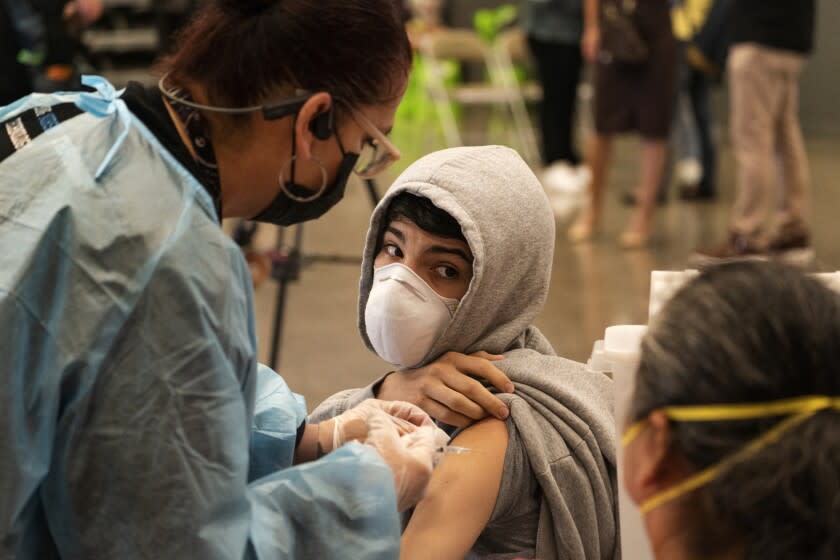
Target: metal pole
279,310
374,195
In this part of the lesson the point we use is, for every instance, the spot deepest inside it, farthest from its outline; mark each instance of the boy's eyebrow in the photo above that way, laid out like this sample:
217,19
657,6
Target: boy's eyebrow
440,249
396,233
437,249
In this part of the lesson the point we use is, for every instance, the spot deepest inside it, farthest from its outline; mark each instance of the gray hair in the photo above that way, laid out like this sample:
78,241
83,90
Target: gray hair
741,333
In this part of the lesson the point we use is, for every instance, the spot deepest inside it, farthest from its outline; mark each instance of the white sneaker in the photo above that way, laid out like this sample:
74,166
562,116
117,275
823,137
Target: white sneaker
689,172
565,186
584,176
560,177
565,206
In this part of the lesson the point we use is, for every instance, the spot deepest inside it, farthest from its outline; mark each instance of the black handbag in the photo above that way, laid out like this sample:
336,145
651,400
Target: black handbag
620,38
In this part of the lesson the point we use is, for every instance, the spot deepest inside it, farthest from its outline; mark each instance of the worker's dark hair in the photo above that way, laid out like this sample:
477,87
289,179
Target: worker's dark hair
424,214
243,51
743,333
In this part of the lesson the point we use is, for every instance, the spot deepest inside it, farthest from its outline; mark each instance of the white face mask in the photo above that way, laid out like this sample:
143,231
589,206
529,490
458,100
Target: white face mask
404,316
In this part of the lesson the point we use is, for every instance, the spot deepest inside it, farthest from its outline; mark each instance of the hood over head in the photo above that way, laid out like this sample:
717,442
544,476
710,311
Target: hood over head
509,226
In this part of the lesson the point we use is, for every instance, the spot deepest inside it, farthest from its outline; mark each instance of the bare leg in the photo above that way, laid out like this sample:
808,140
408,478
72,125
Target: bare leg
651,169
599,156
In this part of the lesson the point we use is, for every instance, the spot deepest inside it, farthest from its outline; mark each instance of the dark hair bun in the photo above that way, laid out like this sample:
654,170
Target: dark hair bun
247,8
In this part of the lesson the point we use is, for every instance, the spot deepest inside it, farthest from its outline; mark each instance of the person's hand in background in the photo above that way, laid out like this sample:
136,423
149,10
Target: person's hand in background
79,14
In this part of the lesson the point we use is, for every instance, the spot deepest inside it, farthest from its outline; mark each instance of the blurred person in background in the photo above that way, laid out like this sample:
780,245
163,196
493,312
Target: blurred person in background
771,40
64,21
696,152
16,79
170,16
555,30
701,28
636,57
39,43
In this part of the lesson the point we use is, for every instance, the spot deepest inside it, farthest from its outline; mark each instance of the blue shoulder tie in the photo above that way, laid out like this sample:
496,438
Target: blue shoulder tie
105,101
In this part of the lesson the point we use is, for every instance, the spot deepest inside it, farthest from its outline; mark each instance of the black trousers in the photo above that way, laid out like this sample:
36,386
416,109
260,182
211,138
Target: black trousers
697,85
559,66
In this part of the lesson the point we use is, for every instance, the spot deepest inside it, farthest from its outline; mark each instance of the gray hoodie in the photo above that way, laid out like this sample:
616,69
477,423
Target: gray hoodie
558,492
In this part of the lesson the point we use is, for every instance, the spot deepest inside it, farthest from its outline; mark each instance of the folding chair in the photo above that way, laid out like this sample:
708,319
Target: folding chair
497,89
512,49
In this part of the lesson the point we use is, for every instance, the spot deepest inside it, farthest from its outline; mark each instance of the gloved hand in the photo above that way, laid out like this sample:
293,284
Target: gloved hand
410,455
353,424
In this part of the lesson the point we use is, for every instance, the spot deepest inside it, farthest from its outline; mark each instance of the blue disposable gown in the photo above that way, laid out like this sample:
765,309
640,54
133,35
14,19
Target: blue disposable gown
129,390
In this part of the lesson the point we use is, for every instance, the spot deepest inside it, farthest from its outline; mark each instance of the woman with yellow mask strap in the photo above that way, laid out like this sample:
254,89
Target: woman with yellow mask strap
733,442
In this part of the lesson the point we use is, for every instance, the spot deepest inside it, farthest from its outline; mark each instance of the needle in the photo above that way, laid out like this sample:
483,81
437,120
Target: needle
453,450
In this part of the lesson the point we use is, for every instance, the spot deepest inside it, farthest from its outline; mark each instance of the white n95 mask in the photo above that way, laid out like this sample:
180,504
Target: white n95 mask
404,316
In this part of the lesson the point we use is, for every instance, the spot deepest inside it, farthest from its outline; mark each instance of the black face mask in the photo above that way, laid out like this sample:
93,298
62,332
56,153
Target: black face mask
285,211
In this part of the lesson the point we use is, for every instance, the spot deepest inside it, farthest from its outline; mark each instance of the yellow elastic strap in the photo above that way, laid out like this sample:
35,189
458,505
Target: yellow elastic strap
728,412
725,412
707,475
632,432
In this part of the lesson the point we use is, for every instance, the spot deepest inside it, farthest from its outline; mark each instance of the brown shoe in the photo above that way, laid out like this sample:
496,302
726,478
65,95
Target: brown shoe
793,248
736,248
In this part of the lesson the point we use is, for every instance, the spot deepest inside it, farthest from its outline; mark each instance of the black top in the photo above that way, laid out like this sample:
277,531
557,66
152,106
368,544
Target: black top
148,106
779,24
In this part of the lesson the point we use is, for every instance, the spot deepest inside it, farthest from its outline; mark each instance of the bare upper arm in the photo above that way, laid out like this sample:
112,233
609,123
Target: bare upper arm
461,496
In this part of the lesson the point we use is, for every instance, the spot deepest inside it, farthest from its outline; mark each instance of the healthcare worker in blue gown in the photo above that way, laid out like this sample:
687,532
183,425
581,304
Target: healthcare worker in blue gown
135,421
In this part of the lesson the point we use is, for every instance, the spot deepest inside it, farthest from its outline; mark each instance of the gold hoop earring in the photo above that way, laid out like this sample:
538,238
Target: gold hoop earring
296,198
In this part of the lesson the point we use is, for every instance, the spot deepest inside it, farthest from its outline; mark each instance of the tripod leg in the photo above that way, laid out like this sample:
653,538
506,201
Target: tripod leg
374,195
289,273
244,232
277,330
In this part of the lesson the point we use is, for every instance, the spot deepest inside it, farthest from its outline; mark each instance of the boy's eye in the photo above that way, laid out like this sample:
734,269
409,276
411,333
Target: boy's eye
393,251
448,272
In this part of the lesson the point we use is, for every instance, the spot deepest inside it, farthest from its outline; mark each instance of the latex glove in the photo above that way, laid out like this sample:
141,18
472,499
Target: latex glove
354,423
447,388
411,456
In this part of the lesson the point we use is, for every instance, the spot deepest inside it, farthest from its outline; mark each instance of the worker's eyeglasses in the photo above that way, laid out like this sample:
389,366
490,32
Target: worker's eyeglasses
378,152
376,155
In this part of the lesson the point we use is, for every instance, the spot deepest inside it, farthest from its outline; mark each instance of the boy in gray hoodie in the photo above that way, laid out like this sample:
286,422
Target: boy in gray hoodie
541,483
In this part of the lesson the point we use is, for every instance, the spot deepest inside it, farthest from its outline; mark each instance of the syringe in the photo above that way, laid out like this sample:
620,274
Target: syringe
453,450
